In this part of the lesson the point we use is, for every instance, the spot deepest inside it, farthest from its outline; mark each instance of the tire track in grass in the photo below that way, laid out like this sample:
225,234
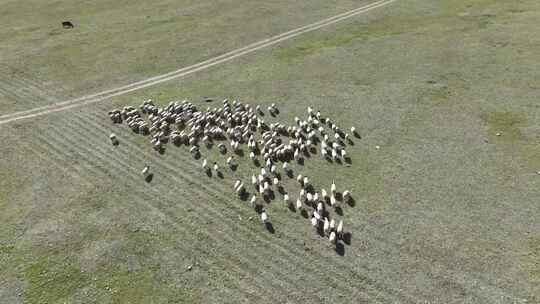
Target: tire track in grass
227,189
97,97
99,171
234,199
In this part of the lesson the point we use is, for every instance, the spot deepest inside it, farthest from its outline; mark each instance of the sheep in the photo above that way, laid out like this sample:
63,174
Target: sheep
343,153
264,217
145,171
326,225
332,224
332,237
230,161
333,187
253,179
306,181
315,197
237,184
113,139
324,153
276,181
286,198
339,228
204,164
299,178
324,194
333,201
309,197
240,189
298,204
302,193
284,166
252,155
314,222
216,167
273,169
320,207
346,195
253,200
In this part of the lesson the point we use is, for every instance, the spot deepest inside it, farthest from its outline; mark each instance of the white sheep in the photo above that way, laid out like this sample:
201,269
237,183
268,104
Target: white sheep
145,171
309,197
320,207
346,195
285,164
339,228
253,179
263,172
286,198
324,194
237,184
333,187
326,225
298,204
306,181
113,138
333,201
204,164
332,237
216,167
240,188
264,217
253,200
314,221
252,155
332,224
299,178
276,181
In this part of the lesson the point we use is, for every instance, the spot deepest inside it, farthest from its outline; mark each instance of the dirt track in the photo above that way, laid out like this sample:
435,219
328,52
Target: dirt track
93,98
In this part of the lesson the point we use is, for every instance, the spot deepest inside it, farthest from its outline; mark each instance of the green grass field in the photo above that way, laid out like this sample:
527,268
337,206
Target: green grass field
446,210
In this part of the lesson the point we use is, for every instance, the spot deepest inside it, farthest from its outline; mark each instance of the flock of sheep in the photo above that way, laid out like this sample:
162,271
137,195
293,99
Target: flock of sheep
273,149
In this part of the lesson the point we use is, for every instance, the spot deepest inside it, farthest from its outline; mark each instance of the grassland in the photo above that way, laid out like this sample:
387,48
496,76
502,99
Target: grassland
446,211
117,43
